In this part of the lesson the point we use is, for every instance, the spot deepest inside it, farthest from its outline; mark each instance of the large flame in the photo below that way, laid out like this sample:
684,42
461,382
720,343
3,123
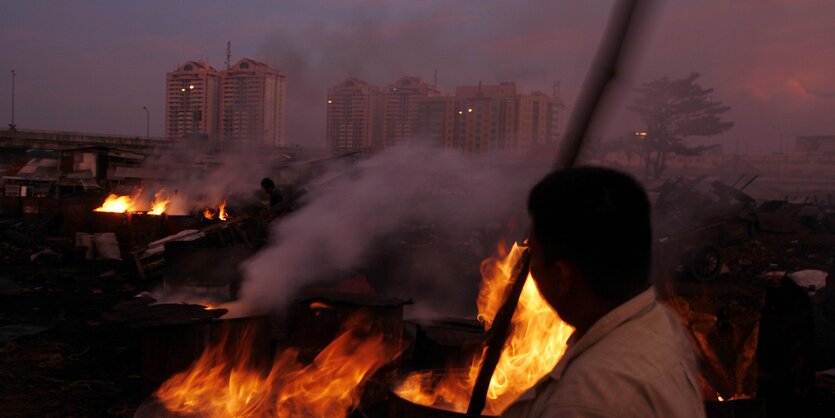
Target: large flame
117,204
536,343
331,386
130,204
161,201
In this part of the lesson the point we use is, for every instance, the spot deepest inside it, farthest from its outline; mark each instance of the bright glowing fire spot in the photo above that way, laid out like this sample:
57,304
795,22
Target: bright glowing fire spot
331,386
320,305
735,397
221,211
209,213
159,204
536,342
117,204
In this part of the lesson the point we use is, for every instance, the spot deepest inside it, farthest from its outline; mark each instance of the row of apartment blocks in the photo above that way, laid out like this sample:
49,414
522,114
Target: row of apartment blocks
477,119
244,103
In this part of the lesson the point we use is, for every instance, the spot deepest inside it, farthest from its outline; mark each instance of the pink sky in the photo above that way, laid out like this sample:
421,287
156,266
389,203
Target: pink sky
92,65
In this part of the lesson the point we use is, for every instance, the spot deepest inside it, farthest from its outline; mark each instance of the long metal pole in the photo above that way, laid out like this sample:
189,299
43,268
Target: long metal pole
12,125
603,71
147,122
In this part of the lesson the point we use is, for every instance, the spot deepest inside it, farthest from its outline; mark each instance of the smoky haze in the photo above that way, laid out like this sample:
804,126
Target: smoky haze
769,60
431,215
197,178
466,42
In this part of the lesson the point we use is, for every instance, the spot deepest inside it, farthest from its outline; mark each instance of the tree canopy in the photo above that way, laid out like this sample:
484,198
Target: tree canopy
673,110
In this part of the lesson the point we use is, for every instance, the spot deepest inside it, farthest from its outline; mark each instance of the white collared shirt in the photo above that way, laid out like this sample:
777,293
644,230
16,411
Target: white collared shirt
635,361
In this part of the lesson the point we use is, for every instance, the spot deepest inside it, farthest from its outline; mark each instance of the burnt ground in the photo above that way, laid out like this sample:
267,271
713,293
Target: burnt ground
77,362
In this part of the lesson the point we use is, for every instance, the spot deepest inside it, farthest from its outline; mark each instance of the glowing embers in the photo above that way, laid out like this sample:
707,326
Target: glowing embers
224,381
220,213
536,342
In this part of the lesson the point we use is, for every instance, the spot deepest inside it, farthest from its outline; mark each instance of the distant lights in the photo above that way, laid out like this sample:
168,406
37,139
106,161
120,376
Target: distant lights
470,110
330,101
460,112
191,87
182,89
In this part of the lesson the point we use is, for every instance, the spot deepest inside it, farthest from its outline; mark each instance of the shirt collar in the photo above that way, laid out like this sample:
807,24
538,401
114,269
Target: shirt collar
630,309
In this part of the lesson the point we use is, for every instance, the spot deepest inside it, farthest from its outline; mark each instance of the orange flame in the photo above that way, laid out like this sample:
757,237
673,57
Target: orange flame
117,204
536,343
221,211
208,213
320,305
329,387
159,204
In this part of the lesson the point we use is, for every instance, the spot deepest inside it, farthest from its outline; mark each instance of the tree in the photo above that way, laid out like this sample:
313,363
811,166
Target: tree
672,111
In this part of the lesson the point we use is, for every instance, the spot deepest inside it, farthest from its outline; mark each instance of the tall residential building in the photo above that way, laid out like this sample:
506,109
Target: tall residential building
252,104
491,118
353,116
191,101
400,108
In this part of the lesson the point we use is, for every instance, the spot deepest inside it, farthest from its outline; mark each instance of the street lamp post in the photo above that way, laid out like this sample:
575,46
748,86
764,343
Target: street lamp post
147,122
12,126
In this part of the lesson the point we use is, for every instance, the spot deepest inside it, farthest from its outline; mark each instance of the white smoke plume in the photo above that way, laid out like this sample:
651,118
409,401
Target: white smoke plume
348,223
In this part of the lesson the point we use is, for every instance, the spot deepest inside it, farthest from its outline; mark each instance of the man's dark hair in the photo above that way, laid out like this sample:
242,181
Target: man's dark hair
267,183
599,220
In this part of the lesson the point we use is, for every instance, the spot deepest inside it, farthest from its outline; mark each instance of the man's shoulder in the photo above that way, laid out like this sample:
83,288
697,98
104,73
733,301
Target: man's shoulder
636,370
599,385
655,340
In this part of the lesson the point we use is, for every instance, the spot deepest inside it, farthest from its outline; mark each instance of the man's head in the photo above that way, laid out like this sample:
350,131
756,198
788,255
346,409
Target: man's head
590,238
267,184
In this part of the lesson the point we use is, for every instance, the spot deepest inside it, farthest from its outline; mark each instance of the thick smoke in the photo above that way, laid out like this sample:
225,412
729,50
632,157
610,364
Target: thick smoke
371,214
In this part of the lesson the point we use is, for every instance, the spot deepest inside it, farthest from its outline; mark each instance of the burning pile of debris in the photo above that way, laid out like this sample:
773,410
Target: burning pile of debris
535,345
744,275
345,350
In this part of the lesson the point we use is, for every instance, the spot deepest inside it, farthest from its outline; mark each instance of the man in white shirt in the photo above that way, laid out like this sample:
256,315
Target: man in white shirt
628,356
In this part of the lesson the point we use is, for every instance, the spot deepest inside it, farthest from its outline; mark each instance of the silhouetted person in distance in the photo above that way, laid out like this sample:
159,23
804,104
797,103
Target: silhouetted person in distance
590,246
268,186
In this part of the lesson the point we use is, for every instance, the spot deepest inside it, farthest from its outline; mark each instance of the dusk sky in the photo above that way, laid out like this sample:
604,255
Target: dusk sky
92,65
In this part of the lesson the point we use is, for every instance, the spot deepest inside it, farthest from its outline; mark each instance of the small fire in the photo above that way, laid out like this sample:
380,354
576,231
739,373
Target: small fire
735,397
221,211
159,204
536,342
209,213
117,204
320,305
130,204
331,386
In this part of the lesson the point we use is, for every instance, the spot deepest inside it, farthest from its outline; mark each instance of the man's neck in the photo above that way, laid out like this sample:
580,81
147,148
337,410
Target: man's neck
584,322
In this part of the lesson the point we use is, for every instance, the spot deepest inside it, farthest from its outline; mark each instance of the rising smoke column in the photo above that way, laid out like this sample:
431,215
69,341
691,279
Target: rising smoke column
342,223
